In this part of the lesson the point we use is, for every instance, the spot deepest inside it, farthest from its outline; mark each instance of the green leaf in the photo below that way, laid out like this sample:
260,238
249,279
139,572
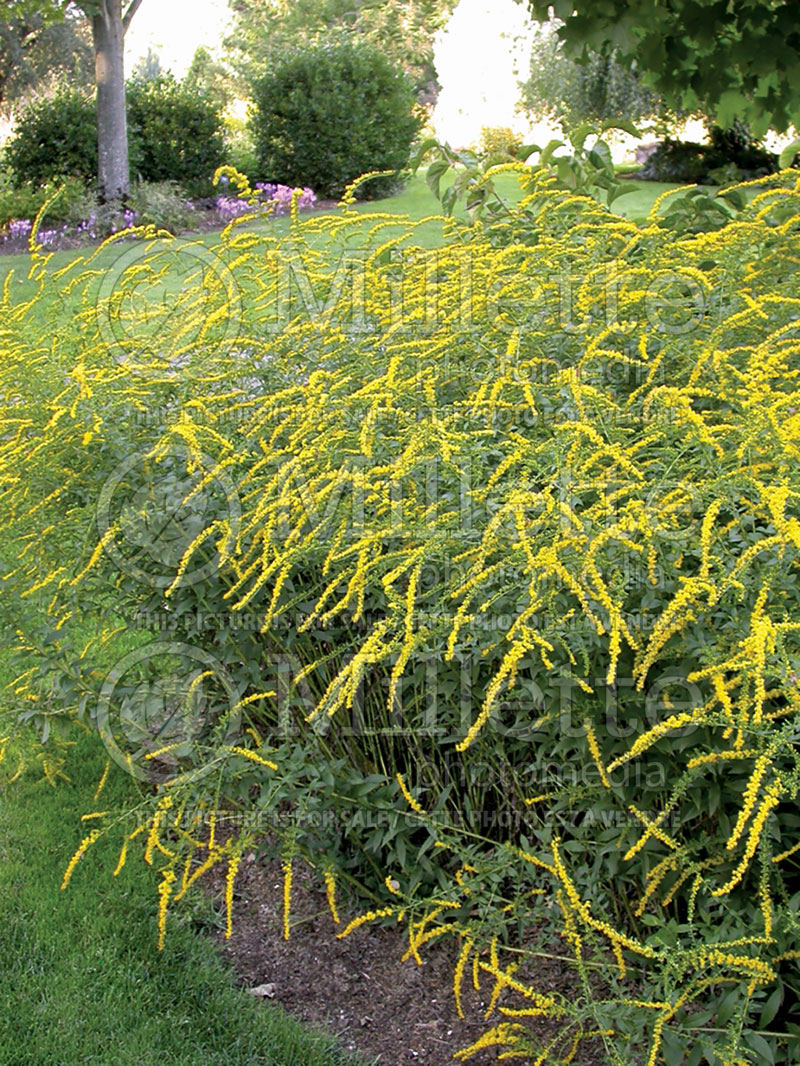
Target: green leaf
621,124
448,199
786,158
770,1008
421,152
736,197
730,106
672,1048
623,189
600,156
727,1007
763,1049
580,133
434,175
550,147
526,150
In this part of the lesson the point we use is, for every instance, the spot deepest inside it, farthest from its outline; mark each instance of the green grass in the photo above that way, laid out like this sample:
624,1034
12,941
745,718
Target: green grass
415,200
82,983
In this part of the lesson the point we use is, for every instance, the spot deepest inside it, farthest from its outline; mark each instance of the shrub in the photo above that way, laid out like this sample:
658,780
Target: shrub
161,204
53,139
178,134
499,144
329,113
600,89
173,135
492,611
25,201
730,155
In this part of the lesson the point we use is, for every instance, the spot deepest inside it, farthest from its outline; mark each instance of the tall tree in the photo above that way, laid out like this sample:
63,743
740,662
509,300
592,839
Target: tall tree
34,54
402,29
109,24
598,90
729,58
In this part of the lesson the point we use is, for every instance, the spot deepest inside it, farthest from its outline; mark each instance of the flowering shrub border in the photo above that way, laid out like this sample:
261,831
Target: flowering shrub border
556,457
269,200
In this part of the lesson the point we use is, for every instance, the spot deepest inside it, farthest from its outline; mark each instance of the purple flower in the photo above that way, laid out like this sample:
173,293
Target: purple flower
279,197
19,227
230,208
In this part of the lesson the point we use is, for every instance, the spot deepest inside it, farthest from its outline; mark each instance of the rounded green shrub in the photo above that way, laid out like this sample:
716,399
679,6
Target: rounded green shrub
331,112
173,135
176,134
54,138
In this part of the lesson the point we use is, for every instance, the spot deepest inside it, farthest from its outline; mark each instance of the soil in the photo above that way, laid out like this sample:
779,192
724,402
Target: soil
392,1013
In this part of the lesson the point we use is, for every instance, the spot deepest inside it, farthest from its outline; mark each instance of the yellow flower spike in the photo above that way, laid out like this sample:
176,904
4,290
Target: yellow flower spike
253,756
417,934
705,537
501,1034
594,748
412,951
163,751
213,858
233,865
158,817
85,844
330,892
413,804
583,911
507,666
749,800
102,544
103,779
124,851
771,799
370,916
458,974
287,895
785,854
251,730
505,979
164,893
646,740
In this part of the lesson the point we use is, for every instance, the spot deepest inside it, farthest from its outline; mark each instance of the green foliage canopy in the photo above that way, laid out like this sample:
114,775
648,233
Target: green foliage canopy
402,29
34,51
732,60
597,90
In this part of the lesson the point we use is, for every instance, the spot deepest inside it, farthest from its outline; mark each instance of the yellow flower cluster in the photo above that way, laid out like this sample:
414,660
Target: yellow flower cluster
426,474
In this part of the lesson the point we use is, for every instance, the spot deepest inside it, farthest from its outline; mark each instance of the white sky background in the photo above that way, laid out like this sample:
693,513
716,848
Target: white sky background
480,56
175,29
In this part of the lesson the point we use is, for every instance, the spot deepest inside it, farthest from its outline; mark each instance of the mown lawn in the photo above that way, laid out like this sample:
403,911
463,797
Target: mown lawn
415,200
81,981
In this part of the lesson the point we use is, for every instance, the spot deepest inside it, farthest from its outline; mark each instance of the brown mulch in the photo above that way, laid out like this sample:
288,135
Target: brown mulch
392,1013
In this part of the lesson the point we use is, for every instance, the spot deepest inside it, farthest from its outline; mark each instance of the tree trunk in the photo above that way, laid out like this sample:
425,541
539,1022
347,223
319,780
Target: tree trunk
112,132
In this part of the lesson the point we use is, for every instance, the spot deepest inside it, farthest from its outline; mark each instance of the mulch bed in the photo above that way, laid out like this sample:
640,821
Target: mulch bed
206,220
392,1013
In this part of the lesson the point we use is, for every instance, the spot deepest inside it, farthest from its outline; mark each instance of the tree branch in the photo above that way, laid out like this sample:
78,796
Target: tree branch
126,19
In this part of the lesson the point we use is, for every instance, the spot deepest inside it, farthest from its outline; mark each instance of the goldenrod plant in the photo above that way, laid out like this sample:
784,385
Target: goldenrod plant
469,573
